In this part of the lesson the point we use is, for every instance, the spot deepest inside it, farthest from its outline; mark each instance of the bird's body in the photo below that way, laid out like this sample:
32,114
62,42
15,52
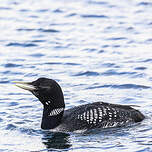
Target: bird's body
99,115
83,117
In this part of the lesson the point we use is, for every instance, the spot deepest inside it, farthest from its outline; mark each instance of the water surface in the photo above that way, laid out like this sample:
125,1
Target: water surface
96,50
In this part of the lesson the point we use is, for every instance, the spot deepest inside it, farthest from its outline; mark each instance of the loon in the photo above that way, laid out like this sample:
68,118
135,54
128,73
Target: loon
83,117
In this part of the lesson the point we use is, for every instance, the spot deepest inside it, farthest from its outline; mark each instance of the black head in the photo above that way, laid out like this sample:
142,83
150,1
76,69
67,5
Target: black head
50,95
46,90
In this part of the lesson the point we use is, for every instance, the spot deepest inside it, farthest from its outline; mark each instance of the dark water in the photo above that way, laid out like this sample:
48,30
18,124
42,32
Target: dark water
96,50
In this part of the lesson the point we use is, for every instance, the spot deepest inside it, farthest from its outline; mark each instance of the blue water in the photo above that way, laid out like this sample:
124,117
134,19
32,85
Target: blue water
97,50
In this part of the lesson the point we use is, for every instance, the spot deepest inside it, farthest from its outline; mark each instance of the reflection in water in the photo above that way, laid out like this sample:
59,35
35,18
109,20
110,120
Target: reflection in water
56,140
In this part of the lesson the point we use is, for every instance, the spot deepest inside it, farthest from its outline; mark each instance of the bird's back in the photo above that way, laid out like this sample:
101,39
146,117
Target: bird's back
99,115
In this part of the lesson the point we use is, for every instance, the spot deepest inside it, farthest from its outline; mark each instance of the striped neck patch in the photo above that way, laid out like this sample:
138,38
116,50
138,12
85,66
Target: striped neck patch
55,112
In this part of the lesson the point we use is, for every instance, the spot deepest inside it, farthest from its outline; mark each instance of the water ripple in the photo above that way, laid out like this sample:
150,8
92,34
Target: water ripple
71,15
58,10
94,16
37,55
38,41
87,73
122,86
140,68
145,4
110,65
113,72
39,30
48,30
42,10
12,65
98,2
1,119
117,38
10,127
5,8
16,44
147,60
26,29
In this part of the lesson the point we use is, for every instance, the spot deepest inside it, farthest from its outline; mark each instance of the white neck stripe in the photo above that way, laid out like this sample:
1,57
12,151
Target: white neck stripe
55,112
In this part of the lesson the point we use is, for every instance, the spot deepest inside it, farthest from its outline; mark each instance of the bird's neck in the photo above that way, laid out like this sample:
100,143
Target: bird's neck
52,117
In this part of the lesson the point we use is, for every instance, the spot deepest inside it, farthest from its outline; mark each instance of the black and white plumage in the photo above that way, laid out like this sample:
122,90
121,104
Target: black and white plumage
83,117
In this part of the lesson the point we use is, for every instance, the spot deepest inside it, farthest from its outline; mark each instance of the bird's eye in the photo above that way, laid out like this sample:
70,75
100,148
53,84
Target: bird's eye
44,87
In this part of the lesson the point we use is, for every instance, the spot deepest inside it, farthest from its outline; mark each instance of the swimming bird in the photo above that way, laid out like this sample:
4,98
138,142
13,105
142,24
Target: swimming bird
83,117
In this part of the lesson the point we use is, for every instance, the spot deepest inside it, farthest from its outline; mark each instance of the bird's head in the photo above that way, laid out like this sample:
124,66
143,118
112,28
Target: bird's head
46,90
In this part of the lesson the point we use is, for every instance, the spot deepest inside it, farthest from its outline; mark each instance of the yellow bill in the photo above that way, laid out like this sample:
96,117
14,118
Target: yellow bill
24,85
